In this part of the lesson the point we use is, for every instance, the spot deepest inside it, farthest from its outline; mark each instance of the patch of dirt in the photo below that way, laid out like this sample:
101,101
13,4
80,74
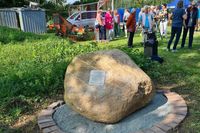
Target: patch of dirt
28,123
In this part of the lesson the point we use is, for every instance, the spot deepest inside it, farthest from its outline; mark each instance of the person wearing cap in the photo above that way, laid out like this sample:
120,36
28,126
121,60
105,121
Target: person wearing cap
178,16
131,27
163,15
191,22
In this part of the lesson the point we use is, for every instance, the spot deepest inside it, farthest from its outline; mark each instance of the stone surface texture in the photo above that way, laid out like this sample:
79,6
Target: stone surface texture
126,87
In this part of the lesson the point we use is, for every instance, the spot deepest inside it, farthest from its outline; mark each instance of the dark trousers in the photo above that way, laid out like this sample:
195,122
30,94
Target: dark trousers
130,39
116,29
102,33
191,33
175,31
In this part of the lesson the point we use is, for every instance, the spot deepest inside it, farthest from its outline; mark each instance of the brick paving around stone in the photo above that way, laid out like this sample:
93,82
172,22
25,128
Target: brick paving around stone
172,120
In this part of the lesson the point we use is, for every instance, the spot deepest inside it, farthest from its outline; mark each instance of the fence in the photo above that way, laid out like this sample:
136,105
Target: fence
32,20
27,19
8,18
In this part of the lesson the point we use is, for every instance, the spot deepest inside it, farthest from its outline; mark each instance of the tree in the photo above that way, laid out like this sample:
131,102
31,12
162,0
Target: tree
57,2
88,1
17,3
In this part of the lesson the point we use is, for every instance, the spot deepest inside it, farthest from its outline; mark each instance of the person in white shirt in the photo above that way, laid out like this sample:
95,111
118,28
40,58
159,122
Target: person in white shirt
125,18
163,20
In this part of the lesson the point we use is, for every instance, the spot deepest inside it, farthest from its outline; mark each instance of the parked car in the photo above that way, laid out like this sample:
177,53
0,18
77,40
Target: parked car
83,18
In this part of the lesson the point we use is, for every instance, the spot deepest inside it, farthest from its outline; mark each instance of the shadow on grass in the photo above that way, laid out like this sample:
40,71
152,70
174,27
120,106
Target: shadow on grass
29,127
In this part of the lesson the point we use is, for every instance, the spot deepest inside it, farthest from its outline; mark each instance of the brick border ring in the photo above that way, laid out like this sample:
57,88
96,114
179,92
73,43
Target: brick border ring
172,120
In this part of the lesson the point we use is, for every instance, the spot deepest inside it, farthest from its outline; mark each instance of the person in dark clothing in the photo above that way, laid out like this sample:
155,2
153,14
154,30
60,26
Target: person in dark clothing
131,27
191,22
177,22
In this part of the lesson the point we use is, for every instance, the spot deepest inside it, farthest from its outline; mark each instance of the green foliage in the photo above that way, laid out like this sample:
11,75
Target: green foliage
34,65
15,35
17,3
52,8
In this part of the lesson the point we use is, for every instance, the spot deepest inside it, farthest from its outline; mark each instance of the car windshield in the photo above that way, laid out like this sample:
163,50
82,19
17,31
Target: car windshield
73,15
88,15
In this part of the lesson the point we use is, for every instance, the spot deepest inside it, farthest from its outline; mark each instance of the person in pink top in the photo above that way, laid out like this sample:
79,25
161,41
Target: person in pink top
109,24
101,25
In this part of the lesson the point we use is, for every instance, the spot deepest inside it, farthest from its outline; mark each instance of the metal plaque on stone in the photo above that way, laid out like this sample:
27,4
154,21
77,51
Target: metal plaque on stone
97,77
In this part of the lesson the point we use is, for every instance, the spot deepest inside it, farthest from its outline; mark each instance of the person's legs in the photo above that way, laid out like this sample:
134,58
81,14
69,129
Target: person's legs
191,33
130,40
173,32
107,35
110,34
119,30
100,33
115,29
143,36
125,29
178,34
104,32
185,31
97,34
161,28
155,48
165,28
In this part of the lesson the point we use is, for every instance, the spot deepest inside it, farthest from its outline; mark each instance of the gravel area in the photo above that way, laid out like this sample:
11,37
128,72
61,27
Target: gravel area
72,122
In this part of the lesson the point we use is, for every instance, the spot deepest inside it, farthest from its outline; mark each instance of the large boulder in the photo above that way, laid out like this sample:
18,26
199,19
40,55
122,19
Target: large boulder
106,86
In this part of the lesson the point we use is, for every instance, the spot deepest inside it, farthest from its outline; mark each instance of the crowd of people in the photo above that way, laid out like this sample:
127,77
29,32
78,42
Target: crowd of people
151,19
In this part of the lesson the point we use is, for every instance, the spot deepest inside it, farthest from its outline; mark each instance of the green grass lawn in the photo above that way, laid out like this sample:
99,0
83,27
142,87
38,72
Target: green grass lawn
32,69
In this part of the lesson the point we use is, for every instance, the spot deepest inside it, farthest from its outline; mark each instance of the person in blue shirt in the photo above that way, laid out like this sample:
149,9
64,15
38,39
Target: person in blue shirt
178,16
146,21
198,26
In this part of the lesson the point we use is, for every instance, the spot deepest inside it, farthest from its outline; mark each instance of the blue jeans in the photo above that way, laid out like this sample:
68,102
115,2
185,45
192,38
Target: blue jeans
175,31
102,33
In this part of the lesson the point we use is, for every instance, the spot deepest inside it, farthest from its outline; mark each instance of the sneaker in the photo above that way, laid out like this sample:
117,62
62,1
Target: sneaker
174,50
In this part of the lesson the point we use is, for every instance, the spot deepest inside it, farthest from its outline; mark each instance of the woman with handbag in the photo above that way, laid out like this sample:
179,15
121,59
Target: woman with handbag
131,27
